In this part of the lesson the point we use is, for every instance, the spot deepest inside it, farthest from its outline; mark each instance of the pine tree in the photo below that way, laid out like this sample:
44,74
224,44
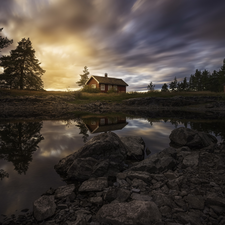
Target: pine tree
173,85
83,77
21,68
151,87
164,87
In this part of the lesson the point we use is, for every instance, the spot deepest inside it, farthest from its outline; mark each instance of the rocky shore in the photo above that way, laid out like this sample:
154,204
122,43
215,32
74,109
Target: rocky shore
53,107
109,182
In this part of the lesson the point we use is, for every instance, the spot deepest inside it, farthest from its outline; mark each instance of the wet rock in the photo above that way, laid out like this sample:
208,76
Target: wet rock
44,207
103,154
187,137
135,147
132,213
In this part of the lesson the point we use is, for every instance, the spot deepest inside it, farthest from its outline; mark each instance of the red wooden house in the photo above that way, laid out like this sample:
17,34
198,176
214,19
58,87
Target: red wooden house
104,124
107,83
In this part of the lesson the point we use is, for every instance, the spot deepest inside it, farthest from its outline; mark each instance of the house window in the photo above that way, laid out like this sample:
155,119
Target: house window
102,87
93,86
102,121
115,87
93,123
109,87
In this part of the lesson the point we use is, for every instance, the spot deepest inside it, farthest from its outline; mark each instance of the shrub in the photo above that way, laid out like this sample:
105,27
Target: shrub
77,94
112,91
90,89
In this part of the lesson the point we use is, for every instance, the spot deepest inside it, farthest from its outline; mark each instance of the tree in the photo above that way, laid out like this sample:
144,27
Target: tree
151,87
21,68
83,77
164,87
4,42
173,85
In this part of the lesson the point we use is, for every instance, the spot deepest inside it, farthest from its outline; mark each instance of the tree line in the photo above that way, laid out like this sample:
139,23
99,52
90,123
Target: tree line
200,81
22,69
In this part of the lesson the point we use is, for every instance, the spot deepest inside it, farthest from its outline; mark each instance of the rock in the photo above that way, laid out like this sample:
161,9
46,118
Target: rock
140,197
130,213
98,184
214,199
193,139
135,146
191,160
65,191
102,155
157,163
44,207
195,202
96,200
145,176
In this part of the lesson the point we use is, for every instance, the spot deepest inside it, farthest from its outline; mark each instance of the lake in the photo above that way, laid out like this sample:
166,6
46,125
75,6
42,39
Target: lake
30,149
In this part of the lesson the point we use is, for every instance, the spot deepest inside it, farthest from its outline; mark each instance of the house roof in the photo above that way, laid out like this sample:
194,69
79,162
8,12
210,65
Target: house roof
108,80
106,128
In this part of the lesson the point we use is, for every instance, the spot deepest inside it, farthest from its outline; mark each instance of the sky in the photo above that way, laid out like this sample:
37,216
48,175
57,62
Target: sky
139,41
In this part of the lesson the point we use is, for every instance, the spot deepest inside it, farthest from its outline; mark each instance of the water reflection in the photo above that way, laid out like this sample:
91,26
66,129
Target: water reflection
18,141
104,124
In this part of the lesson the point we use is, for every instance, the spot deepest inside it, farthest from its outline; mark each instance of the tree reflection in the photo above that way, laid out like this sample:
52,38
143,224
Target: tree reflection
18,141
83,130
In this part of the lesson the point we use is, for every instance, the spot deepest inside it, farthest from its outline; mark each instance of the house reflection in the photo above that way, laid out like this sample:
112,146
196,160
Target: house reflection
104,124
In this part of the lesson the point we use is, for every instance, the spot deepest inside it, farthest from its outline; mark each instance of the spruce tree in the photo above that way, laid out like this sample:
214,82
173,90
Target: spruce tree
151,86
21,68
83,77
164,87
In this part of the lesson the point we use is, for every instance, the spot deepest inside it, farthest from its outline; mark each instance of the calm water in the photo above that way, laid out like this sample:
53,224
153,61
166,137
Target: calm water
29,150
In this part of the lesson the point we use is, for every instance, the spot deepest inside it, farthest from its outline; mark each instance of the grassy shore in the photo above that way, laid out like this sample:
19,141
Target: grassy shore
83,97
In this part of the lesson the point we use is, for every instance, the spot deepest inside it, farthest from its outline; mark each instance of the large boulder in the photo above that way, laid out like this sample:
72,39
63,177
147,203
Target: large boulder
44,207
135,146
129,213
102,155
193,139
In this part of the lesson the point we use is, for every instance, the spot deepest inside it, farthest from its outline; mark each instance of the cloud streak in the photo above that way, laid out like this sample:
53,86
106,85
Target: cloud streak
137,40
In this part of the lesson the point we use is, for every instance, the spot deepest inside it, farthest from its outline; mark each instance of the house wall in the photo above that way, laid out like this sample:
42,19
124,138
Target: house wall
119,88
93,81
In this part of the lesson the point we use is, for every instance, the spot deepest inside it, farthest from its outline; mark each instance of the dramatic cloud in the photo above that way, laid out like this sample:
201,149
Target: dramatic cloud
137,40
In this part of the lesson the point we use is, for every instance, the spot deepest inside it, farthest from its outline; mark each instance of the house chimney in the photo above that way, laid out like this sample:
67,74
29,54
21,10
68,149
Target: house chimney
106,75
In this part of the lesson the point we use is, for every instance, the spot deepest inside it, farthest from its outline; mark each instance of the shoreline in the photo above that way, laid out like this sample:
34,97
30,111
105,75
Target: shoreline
59,107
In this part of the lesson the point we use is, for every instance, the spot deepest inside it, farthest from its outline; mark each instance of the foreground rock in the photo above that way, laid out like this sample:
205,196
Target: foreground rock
135,147
182,185
44,207
130,213
103,155
191,138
